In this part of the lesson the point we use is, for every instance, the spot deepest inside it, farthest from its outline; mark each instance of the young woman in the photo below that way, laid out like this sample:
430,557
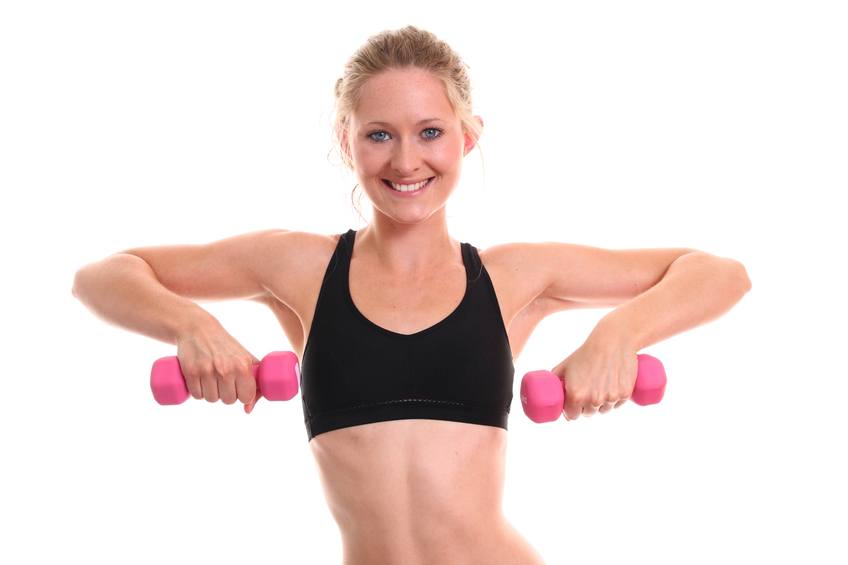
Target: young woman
406,336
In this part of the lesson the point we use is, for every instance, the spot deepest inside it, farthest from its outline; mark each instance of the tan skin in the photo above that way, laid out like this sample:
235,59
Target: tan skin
408,491
414,491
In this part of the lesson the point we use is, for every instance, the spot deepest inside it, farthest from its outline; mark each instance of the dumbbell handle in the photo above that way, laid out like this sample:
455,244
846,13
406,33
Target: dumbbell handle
277,378
543,397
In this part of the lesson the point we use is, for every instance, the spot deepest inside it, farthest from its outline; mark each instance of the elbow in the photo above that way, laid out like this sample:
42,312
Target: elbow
743,276
81,278
75,287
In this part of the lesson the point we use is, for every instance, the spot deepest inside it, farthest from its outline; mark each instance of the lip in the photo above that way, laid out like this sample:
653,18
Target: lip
421,190
408,181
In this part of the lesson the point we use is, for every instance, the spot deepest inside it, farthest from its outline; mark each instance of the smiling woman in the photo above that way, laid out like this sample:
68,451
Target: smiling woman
444,74
416,410
406,336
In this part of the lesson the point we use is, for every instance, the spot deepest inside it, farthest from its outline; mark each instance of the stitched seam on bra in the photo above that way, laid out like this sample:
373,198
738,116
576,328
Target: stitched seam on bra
383,403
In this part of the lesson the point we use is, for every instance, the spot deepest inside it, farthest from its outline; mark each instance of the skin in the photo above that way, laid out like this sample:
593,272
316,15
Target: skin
413,491
407,237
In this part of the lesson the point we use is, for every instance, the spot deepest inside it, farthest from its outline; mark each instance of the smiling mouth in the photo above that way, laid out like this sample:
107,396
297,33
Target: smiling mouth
422,187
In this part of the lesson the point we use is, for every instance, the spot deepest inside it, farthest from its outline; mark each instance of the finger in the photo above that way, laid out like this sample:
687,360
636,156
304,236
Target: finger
619,403
246,387
227,386
194,387
606,407
572,411
210,387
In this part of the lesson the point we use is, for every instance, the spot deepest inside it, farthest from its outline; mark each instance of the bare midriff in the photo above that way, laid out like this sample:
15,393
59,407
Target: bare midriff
420,492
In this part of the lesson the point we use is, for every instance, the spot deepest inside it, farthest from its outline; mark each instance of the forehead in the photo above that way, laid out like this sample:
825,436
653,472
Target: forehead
401,96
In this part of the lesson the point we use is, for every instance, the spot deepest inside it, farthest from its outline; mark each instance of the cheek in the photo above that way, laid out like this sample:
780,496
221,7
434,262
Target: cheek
455,147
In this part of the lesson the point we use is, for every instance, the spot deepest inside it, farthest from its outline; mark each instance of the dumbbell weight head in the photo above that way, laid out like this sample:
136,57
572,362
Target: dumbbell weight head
277,377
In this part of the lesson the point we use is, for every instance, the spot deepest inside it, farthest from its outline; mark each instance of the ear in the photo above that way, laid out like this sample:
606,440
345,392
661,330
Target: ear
344,142
470,142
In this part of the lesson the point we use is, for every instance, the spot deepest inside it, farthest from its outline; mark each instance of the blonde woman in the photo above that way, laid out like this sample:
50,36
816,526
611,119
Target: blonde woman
407,336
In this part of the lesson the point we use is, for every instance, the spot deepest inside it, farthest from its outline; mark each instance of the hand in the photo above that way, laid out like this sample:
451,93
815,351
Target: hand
216,366
598,376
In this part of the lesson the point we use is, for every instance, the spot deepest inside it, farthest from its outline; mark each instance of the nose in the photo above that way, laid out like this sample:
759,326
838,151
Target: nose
405,159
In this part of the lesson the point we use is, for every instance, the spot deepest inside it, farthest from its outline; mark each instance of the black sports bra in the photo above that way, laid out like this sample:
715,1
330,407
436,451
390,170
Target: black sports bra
355,372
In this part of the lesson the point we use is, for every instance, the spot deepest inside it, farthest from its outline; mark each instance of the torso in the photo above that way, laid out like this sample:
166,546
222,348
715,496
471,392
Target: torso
417,491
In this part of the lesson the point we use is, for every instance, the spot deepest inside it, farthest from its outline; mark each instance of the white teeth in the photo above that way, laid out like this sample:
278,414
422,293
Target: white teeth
408,187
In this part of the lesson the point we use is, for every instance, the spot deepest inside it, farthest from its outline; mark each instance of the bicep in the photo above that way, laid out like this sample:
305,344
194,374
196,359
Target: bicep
225,269
588,276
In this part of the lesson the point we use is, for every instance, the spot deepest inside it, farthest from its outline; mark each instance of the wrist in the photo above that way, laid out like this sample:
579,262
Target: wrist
610,332
192,319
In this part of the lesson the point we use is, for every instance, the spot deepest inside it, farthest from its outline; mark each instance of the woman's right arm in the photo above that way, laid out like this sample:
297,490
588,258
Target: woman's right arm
123,290
150,290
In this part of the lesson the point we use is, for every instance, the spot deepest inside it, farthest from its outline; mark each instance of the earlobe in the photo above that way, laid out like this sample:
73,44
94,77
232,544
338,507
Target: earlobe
470,142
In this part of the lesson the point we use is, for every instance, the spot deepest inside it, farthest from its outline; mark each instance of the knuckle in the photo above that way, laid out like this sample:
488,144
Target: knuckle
204,367
226,379
224,366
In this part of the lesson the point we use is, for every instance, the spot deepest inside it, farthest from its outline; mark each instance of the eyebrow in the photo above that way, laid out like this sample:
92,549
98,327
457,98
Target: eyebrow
425,120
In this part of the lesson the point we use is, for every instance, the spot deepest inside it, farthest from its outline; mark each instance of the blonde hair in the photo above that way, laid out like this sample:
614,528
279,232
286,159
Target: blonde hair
399,49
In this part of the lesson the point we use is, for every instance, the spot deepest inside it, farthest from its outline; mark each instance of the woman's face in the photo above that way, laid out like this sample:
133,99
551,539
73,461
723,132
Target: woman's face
418,137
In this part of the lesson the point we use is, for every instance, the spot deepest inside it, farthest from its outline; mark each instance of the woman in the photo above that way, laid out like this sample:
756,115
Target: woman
406,336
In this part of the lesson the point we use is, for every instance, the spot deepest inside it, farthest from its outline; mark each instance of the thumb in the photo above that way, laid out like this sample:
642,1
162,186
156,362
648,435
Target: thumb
248,408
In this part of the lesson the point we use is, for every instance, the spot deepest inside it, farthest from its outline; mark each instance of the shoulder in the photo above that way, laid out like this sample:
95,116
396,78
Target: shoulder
300,246
291,261
516,274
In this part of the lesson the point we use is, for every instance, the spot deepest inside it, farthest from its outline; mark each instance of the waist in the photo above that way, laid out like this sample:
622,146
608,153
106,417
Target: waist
491,541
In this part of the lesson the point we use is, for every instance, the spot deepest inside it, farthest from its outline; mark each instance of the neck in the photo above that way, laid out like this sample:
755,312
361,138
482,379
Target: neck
407,249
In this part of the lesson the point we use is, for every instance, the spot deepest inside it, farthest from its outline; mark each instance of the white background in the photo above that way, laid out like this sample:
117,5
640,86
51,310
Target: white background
719,126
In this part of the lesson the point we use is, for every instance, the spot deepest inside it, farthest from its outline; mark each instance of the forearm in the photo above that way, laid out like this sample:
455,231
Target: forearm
697,288
123,290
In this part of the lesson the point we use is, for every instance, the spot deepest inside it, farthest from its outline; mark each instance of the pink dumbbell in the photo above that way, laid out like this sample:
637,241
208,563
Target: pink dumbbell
543,398
277,377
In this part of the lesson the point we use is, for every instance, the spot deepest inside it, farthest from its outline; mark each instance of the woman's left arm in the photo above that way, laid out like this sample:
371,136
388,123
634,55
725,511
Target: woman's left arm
697,288
601,373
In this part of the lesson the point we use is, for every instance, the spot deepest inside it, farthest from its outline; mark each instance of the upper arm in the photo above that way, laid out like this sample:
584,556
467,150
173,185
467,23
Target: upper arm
594,276
231,268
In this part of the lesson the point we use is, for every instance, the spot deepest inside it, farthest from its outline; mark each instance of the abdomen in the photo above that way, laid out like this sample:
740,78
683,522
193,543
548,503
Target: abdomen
413,489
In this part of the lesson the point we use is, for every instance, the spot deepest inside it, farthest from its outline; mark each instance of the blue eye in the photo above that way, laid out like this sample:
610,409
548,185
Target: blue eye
440,132
435,129
375,133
